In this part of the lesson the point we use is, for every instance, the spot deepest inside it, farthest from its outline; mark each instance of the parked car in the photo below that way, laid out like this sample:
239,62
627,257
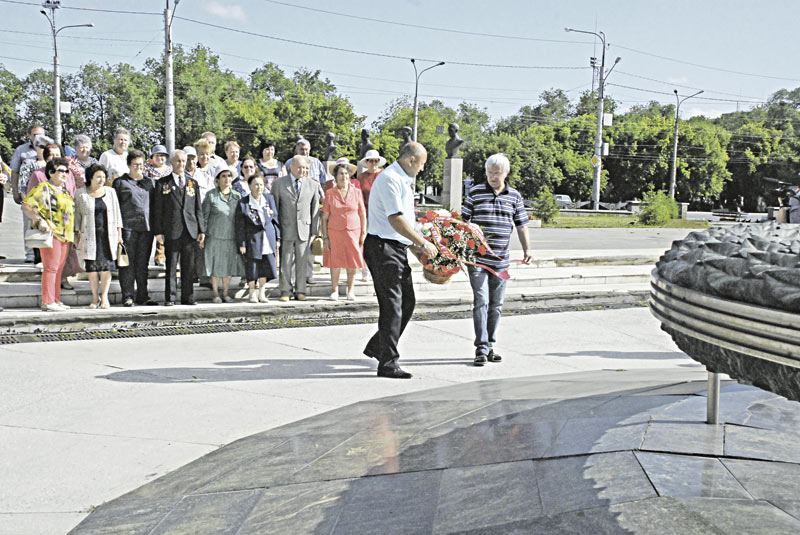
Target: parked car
563,201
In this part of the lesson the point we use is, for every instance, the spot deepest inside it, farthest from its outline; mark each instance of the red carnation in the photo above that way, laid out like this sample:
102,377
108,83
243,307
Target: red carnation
457,236
471,244
455,214
445,242
422,220
481,249
430,214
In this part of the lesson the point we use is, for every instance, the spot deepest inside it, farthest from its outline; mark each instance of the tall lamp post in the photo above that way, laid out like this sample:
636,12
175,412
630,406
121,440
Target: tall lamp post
416,93
52,5
169,89
597,159
674,167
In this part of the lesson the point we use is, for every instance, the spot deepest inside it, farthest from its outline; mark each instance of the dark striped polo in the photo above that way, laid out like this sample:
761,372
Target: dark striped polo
497,215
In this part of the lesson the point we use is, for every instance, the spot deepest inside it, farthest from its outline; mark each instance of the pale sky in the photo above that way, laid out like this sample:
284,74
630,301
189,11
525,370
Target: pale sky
738,51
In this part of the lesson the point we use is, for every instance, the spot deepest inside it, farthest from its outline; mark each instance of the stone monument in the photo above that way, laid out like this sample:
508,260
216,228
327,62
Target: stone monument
330,147
452,178
454,143
366,144
729,297
405,133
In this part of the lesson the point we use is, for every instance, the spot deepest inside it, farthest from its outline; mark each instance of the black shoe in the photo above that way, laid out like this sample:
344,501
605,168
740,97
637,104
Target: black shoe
480,360
65,285
189,302
128,302
151,303
493,357
393,373
169,303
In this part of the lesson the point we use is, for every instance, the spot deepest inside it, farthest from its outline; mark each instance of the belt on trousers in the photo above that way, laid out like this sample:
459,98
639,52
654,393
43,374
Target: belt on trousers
393,243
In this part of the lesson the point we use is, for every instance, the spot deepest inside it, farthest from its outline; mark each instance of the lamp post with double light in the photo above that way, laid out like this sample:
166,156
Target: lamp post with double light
52,5
416,93
597,159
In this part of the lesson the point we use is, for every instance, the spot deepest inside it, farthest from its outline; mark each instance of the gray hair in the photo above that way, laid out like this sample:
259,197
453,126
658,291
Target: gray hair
302,158
498,160
121,130
302,142
82,139
175,153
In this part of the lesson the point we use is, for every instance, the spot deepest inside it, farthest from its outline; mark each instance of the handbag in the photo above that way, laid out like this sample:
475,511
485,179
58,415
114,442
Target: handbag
38,239
122,256
317,246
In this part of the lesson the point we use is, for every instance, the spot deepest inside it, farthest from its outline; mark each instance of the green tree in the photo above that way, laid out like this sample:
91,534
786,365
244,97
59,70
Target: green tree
11,131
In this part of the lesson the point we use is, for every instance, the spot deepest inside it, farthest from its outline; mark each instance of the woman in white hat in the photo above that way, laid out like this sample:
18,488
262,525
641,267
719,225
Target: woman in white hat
372,163
343,227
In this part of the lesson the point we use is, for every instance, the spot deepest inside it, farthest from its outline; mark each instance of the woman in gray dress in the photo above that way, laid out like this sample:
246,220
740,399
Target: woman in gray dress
222,258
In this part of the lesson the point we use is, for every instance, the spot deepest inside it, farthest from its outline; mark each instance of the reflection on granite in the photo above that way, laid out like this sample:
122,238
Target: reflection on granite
599,452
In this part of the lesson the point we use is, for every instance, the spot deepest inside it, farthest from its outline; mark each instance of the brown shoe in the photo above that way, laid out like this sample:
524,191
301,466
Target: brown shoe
301,297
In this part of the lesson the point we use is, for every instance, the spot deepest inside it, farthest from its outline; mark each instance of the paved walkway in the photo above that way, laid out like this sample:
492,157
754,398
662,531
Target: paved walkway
602,452
84,422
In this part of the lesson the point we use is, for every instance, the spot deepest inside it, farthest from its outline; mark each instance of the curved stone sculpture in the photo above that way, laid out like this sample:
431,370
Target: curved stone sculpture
729,297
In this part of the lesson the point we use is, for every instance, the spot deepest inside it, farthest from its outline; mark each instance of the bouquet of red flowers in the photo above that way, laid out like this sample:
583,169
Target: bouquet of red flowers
458,242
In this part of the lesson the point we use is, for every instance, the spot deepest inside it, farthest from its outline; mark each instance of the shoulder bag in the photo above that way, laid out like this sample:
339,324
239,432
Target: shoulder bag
38,239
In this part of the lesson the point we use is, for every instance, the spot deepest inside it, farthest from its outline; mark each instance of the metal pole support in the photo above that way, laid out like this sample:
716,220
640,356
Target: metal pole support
712,407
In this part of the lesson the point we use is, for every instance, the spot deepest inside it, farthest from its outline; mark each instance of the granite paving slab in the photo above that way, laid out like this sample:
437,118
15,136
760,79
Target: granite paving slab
685,475
755,443
588,481
618,460
506,490
735,517
766,480
684,437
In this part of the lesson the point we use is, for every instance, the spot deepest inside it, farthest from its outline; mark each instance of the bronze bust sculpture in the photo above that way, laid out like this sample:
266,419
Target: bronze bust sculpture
330,147
366,144
405,133
454,143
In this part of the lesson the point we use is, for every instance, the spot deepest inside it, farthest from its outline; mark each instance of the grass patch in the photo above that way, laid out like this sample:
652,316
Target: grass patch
615,221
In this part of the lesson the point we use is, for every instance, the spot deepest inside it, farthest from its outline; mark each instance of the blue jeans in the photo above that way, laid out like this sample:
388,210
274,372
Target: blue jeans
488,292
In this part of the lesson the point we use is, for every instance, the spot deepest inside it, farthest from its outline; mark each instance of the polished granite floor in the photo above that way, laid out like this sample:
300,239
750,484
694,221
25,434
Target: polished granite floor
609,452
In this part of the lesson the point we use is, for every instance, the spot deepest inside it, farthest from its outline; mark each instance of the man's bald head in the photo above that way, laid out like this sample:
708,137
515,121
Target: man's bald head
412,158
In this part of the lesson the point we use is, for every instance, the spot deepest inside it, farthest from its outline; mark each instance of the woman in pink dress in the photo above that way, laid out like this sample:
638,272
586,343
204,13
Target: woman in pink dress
343,227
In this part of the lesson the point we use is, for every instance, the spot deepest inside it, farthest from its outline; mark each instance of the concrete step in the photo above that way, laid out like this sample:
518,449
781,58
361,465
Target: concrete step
31,324
20,272
28,294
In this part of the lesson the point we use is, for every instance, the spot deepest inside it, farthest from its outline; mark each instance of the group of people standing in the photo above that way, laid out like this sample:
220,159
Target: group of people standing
218,218
256,218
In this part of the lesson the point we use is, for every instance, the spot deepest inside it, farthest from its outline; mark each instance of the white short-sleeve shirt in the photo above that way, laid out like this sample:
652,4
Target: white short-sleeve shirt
391,194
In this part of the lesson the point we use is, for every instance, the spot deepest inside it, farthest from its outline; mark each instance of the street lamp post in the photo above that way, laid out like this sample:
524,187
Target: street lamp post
416,93
169,89
597,159
52,6
673,172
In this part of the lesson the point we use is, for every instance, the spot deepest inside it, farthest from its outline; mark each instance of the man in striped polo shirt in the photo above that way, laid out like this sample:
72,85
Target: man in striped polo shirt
497,208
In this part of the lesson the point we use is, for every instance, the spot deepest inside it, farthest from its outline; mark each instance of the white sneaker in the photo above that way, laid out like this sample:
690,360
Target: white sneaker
254,297
351,296
335,296
217,299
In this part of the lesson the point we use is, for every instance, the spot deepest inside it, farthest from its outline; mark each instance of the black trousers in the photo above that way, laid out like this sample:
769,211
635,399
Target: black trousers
182,249
391,274
138,244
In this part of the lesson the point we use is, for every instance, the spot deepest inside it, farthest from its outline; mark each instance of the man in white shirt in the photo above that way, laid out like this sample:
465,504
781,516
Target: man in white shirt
390,231
116,158
216,162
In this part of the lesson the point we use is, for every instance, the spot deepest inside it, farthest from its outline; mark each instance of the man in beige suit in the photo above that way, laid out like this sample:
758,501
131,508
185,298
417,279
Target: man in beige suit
297,199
